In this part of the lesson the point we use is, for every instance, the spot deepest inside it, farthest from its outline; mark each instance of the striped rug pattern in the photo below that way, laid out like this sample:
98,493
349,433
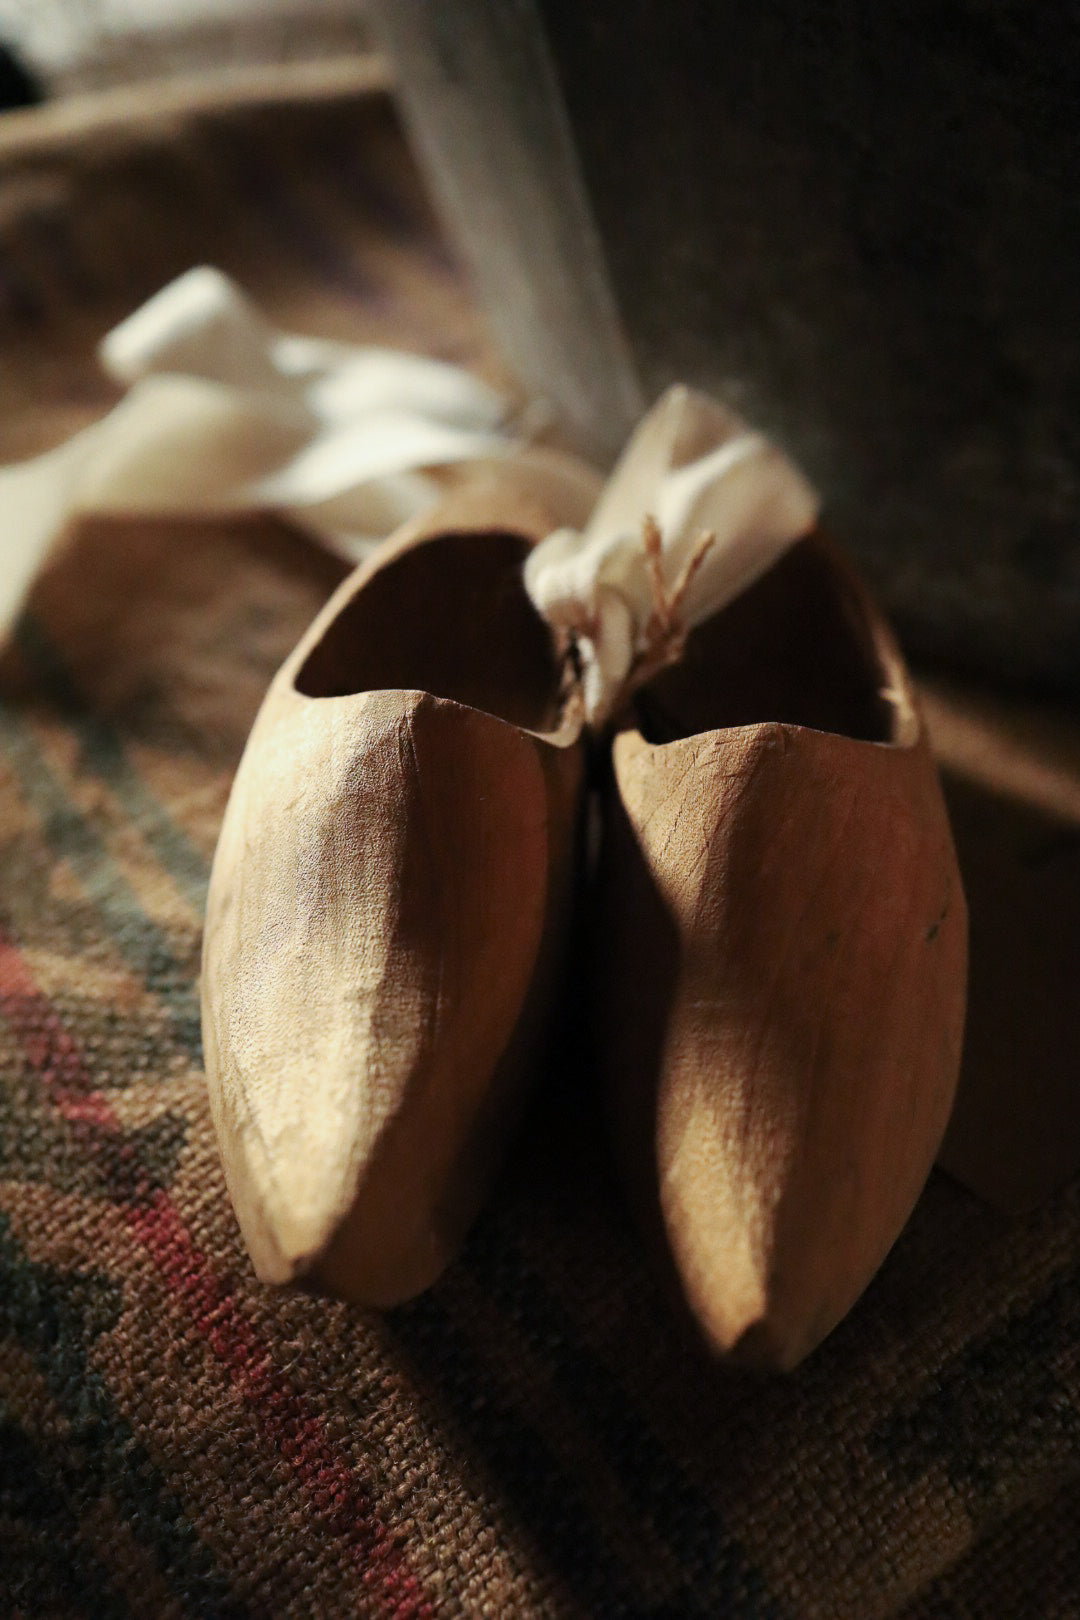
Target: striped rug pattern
532,1437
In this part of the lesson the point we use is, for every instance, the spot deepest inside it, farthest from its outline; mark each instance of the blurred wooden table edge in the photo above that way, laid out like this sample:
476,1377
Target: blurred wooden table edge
55,125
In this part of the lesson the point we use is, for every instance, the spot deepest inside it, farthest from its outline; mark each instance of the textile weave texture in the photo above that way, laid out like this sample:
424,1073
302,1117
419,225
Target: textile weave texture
533,1437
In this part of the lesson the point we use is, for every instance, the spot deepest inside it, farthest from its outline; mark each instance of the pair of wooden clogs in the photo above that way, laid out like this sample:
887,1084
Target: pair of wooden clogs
779,957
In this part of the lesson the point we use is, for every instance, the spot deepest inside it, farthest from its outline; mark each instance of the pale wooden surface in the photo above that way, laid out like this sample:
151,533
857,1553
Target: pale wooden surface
388,908
782,999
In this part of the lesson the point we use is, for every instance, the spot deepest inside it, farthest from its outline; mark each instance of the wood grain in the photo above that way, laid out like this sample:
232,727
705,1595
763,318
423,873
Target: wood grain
781,948
387,908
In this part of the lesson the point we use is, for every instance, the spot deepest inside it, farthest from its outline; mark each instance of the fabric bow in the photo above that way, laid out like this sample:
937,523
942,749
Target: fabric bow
697,508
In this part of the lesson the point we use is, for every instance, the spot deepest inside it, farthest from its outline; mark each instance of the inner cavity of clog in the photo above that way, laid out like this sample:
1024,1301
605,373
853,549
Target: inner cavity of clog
448,616
796,648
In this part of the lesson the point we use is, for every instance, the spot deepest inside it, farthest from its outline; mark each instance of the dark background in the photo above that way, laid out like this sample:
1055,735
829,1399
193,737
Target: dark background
860,224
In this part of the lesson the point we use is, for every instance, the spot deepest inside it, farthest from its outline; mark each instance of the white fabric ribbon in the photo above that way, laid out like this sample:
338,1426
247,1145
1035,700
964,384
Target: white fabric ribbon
694,468
226,415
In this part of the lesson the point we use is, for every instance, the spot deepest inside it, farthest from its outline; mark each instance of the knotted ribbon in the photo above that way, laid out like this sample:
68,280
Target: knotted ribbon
697,508
224,415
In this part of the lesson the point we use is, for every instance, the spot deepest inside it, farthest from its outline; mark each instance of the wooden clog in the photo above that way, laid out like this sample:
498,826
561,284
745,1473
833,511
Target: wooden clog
782,949
387,908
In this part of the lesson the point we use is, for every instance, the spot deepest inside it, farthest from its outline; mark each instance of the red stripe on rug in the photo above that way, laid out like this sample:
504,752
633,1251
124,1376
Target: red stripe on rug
284,1416
47,1044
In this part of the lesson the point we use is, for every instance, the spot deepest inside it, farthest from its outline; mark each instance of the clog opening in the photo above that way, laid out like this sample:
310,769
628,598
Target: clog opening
448,616
796,648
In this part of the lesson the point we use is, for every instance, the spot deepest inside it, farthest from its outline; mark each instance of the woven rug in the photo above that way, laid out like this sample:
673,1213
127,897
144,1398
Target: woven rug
533,1437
